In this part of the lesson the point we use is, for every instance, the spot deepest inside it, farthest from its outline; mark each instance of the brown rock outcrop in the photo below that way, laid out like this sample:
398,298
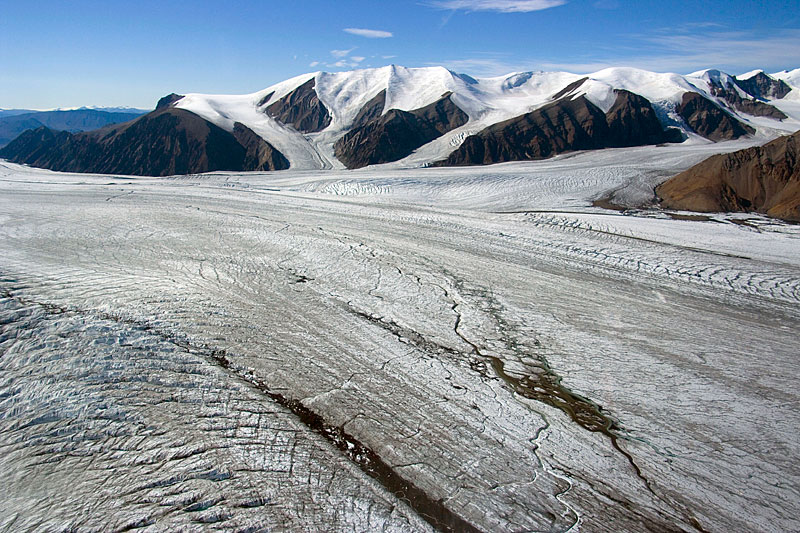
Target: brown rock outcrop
168,100
371,111
394,135
632,121
751,106
164,142
764,179
756,108
709,120
563,126
763,86
572,87
301,109
259,154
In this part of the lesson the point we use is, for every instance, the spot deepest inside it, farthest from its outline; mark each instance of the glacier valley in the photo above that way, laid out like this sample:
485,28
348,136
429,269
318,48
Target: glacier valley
453,349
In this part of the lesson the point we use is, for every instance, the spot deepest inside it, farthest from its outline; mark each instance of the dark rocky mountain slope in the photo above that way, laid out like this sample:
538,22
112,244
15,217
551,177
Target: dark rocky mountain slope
164,142
259,154
727,91
709,120
168,101
765,179
301,109
764,86
377,138
563,126
410,108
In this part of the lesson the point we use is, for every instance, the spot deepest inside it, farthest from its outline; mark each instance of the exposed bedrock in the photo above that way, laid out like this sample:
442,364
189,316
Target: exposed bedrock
709,120
377,138
754,107
168,101
763,178
371,111
164,142
572,87
633,122
763,86
563,126
259,155
751,106
301,109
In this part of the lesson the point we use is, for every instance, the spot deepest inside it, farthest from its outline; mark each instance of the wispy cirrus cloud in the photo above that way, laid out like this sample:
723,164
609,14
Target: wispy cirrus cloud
342,58
686,49
502,6
342,53
370,34
695,47
733,50
352,62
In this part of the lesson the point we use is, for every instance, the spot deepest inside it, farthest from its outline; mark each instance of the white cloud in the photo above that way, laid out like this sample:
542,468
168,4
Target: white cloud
678,49
313,64
341,53
704,49
693,48
503,6
347,62
371,34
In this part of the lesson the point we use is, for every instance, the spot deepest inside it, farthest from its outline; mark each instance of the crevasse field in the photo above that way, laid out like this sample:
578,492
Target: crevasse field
473,349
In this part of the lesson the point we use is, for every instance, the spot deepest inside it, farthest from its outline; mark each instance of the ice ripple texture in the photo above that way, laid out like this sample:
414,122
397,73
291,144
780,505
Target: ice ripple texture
253,352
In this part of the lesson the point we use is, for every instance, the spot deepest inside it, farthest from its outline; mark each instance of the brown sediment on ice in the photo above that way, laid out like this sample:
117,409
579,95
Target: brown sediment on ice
432,511
607,203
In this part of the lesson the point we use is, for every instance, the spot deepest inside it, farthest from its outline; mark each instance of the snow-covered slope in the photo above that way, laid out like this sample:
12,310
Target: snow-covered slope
486,101
790,77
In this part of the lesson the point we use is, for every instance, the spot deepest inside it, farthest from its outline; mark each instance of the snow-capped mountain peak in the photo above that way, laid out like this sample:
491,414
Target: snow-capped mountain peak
752,73
412,117
339,97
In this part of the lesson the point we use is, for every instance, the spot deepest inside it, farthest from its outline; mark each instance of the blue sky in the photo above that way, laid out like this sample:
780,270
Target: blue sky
83,52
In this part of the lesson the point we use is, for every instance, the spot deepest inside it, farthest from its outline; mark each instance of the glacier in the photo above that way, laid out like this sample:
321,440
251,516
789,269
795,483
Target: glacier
470,349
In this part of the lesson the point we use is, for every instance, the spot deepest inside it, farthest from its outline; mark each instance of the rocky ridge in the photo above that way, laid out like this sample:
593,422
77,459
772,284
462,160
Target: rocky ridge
377,138
419,117
562,126
73,120
165,142
764,179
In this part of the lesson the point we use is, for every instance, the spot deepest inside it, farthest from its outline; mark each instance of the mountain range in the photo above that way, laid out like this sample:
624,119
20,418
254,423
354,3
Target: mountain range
13,122
412,117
